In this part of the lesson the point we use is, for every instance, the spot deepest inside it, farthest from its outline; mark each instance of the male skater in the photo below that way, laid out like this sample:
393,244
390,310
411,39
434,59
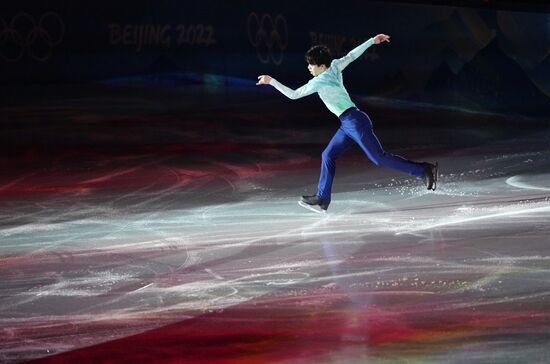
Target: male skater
355,124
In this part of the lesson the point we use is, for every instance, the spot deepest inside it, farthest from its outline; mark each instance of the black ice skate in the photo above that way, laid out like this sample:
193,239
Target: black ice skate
314,203
430,175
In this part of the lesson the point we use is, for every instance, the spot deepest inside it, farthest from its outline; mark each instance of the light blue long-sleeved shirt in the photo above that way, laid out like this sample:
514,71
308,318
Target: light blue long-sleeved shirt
328,84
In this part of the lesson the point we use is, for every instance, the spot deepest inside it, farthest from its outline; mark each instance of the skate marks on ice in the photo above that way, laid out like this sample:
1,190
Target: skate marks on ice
517,199
467,215
519,182
126,271
493,190
209,259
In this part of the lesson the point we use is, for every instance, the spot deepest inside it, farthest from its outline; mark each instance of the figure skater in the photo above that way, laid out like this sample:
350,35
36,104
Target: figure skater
355,126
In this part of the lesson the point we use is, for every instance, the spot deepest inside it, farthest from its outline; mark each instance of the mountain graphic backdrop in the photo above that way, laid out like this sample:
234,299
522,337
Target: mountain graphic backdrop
477,62
491,81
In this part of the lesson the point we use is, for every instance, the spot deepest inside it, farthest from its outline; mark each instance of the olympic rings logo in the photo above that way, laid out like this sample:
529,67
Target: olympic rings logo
24,35
269,36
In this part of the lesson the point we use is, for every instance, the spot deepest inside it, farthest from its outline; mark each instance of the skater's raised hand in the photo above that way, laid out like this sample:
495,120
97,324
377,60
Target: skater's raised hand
263,80
381,38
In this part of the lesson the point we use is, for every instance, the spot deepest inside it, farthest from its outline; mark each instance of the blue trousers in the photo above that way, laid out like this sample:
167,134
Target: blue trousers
357,128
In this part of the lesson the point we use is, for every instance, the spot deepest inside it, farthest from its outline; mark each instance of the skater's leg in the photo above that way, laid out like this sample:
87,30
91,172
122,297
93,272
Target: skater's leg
362,133
339,143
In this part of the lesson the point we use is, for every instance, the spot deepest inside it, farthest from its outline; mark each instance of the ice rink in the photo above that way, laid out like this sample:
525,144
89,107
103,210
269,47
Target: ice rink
177,237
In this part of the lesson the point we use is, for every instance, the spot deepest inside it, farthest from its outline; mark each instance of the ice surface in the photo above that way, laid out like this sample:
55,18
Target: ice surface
180,255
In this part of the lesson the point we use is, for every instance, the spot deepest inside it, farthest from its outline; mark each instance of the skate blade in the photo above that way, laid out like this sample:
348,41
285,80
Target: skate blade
435,171
311,208
436,176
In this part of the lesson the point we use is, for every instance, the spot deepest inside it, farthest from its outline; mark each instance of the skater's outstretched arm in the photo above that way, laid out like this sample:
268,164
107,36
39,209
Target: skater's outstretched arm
305,90
355,53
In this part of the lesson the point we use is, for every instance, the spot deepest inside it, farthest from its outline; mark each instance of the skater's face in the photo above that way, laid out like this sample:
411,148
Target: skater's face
316,70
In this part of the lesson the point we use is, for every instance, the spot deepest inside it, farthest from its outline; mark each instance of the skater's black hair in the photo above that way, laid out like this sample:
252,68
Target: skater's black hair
319,55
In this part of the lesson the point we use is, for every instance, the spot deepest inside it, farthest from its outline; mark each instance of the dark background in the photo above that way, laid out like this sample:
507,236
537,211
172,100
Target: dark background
118,74
482,55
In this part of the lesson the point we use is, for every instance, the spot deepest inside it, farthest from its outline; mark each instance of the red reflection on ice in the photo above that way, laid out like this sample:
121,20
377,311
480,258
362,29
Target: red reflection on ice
154,167
312,326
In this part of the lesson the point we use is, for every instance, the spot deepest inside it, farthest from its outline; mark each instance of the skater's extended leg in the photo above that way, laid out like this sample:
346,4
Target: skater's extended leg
371,146
360,130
